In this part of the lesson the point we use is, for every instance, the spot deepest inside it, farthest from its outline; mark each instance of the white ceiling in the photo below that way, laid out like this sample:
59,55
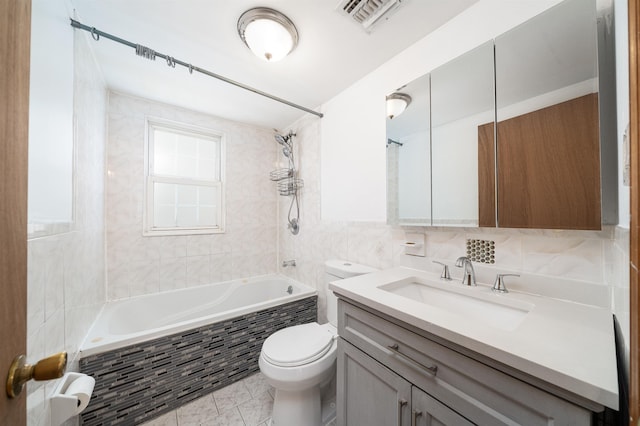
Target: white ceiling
333,51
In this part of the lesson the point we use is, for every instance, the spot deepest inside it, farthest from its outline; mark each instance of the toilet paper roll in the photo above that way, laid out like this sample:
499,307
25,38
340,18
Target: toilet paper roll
81,388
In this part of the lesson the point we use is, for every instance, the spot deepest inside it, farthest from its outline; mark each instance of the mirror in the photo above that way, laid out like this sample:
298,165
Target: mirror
529,144
462,99
409,158
548,141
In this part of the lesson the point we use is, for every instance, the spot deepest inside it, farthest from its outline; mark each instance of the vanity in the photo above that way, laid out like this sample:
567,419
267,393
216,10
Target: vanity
416,350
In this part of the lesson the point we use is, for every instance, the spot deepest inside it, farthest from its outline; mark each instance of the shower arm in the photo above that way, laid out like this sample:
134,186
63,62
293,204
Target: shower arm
172,62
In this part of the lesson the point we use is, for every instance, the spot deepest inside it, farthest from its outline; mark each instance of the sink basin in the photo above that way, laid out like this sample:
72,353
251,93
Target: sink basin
493,310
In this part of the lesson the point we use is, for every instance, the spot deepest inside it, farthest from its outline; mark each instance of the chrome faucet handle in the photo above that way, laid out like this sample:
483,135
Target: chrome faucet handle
499,285
445,275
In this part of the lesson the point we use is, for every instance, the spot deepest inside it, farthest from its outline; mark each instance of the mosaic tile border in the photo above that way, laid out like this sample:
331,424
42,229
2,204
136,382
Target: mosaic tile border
139,382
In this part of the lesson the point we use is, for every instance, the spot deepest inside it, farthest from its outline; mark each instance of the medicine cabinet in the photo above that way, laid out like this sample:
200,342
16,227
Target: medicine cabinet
522,130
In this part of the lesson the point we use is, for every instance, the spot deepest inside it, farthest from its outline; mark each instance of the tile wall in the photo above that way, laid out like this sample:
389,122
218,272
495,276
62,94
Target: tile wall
583,266
141,265
66,272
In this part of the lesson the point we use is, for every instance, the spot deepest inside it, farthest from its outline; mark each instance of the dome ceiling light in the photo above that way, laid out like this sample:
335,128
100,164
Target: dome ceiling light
397,103
268,33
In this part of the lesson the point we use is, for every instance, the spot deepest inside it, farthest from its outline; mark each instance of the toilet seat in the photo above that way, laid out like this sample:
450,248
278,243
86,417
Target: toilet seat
297,345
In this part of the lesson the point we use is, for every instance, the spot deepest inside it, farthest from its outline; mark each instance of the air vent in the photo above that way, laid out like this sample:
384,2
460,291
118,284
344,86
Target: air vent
367,13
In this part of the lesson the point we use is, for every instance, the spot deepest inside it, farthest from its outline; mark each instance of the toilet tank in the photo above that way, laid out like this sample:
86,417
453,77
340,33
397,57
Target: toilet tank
338,270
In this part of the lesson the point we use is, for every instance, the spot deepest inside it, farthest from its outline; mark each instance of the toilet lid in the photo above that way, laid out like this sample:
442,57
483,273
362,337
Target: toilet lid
297,345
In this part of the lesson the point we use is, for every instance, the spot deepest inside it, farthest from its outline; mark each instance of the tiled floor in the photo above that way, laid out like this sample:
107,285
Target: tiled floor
248,402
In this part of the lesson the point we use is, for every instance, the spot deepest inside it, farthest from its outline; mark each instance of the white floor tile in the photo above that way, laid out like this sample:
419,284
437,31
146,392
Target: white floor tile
228,418
257,410
198,412
257,385
231,396
248,402
168,419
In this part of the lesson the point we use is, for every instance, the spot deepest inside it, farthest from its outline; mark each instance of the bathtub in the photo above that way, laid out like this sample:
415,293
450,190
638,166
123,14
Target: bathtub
128,321
152,354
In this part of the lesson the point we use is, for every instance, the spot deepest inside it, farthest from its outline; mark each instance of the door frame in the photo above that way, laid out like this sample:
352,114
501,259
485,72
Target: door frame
634,253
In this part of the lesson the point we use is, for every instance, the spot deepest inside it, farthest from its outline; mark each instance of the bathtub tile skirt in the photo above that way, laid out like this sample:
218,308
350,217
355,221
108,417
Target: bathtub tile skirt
139,382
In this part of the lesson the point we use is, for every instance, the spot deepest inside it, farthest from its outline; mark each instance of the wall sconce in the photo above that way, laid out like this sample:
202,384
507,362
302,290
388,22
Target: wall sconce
397,103
268,33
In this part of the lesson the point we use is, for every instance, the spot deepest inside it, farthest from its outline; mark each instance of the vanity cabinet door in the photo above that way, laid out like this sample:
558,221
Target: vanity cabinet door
370,394
428,411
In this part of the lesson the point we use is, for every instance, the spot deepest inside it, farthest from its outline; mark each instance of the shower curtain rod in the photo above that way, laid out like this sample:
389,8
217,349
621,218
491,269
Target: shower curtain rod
171,61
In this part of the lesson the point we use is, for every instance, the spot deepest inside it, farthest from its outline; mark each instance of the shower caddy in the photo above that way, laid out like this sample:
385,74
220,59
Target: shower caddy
288,182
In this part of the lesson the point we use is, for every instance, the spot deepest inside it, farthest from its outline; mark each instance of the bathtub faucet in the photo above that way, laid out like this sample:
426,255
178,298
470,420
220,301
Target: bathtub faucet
286,263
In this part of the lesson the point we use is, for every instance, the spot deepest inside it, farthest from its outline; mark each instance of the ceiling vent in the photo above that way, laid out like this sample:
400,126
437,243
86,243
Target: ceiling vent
368,13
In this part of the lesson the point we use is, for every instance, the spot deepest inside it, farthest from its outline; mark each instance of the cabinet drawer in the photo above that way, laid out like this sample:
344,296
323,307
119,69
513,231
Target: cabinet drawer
480,393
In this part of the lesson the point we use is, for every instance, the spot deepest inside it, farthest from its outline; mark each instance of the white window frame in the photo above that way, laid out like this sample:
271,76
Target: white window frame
150,178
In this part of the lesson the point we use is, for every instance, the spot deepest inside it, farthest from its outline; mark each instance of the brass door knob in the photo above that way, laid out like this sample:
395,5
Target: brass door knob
46,369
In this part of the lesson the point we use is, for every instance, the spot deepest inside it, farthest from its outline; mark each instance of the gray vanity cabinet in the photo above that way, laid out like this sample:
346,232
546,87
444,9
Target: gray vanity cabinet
428,411
373,395
383,362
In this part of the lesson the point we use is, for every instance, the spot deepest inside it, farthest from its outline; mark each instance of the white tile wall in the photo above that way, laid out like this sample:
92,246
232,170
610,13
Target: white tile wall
583,266
66,272
140,265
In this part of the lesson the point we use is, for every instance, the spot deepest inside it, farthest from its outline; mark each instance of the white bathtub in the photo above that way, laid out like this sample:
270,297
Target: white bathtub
129,321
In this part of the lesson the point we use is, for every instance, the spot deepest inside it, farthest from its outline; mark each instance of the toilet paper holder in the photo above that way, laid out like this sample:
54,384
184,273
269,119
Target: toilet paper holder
67,400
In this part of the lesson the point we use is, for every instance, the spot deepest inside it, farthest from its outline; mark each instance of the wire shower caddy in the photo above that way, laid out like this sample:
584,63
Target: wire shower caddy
287,181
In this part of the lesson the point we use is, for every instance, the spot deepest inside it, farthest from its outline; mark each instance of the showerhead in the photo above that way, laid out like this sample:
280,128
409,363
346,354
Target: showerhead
282,140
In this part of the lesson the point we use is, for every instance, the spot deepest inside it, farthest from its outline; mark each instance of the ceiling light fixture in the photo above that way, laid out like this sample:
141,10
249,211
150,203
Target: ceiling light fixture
397,103
268,33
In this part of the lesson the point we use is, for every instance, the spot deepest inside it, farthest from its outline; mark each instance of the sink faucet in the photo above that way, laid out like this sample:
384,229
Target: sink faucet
468,274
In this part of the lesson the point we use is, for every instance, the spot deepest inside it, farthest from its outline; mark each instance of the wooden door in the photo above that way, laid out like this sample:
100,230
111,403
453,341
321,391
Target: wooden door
369,393
15,34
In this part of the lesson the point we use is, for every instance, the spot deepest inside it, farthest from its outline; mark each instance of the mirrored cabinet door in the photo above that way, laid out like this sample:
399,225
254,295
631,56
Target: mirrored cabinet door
409,158
522,133
548,146
462,100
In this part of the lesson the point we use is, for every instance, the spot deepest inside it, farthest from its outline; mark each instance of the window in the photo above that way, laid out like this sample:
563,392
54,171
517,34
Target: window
185,180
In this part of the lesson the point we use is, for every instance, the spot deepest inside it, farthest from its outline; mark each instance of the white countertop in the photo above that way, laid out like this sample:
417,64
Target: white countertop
567,344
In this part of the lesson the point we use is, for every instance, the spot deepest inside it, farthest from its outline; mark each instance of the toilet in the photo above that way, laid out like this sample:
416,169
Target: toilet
300,361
